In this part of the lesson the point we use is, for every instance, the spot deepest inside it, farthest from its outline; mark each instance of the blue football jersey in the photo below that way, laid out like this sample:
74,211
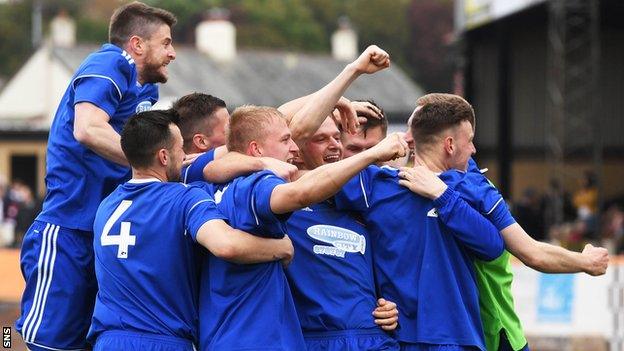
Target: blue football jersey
248,306
423,253
481,194
77,178
331,276
195,171
144,241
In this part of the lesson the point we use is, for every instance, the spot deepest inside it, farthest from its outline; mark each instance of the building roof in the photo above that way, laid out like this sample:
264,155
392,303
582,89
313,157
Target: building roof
269,78
253,77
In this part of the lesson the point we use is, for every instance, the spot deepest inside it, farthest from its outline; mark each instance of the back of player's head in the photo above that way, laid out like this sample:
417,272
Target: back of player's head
250,123
196,111
435,113
372,122
145,133
138,19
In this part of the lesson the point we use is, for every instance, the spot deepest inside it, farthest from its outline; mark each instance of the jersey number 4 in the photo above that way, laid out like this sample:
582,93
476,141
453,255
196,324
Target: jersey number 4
124,239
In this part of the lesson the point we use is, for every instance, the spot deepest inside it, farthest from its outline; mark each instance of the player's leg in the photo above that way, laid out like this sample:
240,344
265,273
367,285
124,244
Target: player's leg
57,304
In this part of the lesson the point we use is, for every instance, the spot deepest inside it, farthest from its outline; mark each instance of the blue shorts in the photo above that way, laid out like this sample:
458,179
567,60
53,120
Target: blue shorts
435,347
57,304
127,341
350,340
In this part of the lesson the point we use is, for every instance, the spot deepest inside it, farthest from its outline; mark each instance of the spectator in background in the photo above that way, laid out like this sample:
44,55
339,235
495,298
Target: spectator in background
585,202
586,198
613,228
28,209
528,212
556,205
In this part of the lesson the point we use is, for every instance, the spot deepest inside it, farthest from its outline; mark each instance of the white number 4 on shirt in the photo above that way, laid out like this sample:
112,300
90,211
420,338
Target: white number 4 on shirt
124,239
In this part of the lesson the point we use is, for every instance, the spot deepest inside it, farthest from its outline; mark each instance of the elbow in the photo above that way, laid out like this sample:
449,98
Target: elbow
534,261
300,134
82,136
227,252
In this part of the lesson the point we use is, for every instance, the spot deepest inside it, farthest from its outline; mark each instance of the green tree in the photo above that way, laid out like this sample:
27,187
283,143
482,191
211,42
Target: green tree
15,41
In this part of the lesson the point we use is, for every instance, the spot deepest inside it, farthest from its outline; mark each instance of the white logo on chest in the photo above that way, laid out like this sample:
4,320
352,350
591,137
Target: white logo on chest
342,240
432,212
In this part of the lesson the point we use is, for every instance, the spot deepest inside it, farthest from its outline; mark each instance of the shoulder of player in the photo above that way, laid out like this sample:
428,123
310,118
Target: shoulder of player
108,62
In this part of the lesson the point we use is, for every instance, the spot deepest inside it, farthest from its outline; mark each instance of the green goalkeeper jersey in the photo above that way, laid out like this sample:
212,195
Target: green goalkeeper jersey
496,303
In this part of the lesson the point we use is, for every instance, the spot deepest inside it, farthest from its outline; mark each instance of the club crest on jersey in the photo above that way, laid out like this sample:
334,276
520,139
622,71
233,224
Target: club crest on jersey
143,106
342,240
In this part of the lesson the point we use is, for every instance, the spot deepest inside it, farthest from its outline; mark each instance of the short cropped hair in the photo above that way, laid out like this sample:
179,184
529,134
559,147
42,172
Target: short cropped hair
249,123
144,134
436,113
137,18
372,122
195,111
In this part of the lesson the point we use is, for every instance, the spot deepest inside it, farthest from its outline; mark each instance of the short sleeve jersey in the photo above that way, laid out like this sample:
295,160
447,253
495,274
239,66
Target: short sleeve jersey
494,277
248,306
77,178
195,171
331,277
419,263
147,272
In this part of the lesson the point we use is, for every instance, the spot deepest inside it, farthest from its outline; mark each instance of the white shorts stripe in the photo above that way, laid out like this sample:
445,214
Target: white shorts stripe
33,307
47,288
44,280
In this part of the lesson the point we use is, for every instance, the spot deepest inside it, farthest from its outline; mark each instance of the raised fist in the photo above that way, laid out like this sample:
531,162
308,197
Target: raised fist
393,146
372,60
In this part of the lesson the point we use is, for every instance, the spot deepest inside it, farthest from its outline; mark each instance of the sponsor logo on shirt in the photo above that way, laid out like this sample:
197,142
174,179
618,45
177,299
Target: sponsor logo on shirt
143,106
342,240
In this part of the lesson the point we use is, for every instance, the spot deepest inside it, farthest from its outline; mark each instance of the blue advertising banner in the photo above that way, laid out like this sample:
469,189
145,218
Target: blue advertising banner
555,298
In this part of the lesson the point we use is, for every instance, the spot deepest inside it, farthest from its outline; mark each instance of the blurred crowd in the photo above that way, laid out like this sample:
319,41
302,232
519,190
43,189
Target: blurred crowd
19,207
572,219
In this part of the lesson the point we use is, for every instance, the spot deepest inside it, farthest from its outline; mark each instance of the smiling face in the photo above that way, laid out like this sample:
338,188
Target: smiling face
159,52
323,147
277,142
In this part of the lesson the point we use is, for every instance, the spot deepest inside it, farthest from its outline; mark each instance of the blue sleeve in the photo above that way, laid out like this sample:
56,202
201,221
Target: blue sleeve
195,171
98,91
199,208
468,226
261,204
479,192
103,82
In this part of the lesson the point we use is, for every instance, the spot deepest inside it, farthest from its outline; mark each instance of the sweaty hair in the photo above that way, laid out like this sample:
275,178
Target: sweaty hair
196,113
372,122
249,123
436,113
144,134
139,19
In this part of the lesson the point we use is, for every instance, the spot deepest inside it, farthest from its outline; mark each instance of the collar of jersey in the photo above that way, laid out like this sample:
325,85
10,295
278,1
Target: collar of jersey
143,180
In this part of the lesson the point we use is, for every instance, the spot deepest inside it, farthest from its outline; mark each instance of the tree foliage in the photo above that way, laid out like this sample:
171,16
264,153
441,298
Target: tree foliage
412,31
